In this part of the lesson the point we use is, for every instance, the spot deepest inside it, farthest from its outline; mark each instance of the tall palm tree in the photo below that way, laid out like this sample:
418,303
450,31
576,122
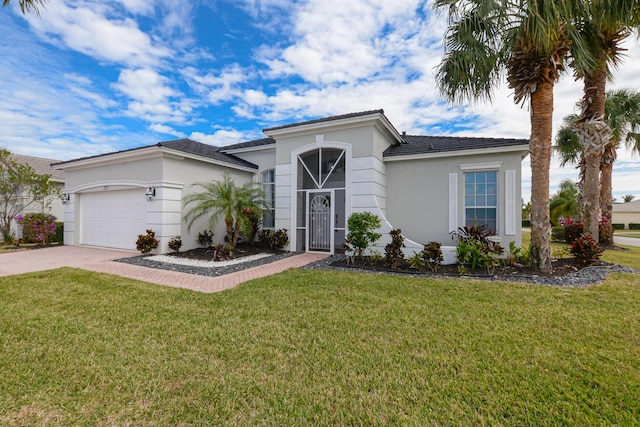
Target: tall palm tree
28,5
528,41
224,199
603,26
628,198
622,116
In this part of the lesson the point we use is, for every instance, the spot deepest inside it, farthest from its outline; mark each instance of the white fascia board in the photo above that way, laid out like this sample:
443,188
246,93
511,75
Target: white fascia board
251,149
377,119
472,152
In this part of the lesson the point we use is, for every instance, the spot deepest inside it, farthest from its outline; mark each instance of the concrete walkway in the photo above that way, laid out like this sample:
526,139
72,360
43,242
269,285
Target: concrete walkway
101,260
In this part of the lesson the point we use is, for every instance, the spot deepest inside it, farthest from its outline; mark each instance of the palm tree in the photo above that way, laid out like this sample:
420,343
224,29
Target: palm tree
603,26
28,5
528,41
628,198
224,199
565,203
622,116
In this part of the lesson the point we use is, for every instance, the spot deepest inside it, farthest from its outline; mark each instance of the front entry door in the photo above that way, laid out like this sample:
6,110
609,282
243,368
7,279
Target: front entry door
320,224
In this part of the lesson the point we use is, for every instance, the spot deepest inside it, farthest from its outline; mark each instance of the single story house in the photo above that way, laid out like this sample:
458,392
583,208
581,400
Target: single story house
315,174
53,205
626,213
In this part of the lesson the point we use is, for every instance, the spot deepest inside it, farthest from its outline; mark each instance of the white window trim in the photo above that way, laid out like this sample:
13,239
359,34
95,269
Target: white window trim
470,167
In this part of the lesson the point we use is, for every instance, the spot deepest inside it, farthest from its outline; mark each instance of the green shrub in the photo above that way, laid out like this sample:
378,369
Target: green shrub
393,251
526,223
147,243
586,250
557,233
205,238
432,255
175,244
618,226
361,235
59,233
274,239
634,226
416,262
470,252
517,255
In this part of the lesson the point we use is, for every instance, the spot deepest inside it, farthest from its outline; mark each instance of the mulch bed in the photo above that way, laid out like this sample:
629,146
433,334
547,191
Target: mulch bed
242,250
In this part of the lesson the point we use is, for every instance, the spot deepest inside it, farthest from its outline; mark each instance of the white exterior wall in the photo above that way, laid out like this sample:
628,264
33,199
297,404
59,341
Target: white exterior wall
419,195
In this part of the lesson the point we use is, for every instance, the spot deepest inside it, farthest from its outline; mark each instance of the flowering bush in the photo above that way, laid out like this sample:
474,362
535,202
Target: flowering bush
572,229
37,227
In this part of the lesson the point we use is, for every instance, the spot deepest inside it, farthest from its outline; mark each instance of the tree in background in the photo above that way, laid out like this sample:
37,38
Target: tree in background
21,188
628,198
622,116
28,5
565,203
224,199
529,42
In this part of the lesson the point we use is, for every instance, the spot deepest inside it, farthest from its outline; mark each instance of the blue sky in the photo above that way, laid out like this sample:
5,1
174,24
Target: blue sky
89,77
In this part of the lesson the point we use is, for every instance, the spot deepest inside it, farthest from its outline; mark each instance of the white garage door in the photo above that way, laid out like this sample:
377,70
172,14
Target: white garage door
113,219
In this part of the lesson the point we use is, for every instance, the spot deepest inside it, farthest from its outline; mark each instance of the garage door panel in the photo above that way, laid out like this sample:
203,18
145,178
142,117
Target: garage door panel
113,219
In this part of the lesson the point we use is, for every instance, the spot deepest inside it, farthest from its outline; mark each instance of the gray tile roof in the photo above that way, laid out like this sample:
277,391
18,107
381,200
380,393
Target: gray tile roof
326,119
204,150
186,146
41,166
424,144
248,144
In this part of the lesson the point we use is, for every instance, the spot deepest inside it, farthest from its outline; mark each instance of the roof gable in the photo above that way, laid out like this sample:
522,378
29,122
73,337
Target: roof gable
633,206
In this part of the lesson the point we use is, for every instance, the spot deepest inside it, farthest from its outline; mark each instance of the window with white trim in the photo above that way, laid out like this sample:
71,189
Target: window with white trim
481,199
269,188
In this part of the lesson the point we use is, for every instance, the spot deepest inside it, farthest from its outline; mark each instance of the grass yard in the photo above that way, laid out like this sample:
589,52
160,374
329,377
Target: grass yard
317,348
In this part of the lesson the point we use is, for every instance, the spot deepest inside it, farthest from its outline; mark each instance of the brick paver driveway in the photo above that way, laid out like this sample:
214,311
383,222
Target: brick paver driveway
101,260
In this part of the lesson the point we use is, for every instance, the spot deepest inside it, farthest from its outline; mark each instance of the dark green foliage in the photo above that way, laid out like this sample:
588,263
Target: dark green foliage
432,255
517,255
481,233
618,226
147,243
361,235
175,244
205,238
59,233
586,250
274,239
557,233
634,226
526,223
393,251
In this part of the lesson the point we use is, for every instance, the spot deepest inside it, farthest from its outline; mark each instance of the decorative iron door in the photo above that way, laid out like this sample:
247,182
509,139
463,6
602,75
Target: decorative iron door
320,225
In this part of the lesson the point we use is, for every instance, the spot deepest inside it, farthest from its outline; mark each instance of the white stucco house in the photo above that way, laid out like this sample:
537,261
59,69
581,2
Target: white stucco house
626,213
315,174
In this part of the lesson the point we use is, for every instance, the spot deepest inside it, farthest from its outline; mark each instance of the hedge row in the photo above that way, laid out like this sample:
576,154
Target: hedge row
634,226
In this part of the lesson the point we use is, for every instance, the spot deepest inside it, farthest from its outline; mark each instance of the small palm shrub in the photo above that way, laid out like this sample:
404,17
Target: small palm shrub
586,250
393,251
147,242
175,244
416,262
222,252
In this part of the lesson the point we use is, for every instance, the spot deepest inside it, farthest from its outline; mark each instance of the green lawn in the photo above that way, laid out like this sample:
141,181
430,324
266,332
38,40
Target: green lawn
317,348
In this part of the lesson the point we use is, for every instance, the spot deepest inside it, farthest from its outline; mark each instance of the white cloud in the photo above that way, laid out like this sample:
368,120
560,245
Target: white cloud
217,87
87,29
219,138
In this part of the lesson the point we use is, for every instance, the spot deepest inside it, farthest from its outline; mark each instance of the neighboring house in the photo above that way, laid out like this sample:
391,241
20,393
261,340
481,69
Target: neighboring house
42,166
315,174
626,213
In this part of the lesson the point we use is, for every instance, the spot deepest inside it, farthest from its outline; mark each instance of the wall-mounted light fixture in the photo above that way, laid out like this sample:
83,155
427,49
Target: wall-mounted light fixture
150,193
66,198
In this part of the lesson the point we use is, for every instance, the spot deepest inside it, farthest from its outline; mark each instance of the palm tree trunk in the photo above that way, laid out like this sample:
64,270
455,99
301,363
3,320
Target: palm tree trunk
606,198
594,136
540,149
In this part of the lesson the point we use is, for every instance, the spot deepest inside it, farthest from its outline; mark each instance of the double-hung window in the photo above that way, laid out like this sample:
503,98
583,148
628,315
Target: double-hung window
269,188
481,198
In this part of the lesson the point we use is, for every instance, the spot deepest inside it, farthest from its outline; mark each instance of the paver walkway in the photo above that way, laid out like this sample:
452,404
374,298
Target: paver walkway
101,260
